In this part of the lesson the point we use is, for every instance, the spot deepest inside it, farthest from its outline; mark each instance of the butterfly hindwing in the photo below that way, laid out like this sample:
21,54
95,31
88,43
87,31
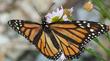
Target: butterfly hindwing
73,35
48,45
71,50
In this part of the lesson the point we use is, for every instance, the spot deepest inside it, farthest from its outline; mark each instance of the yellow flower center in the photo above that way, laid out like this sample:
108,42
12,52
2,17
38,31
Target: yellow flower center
56,19
88,6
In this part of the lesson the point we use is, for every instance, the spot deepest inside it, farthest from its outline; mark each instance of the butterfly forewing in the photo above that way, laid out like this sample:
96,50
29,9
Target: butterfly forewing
25,28
73,35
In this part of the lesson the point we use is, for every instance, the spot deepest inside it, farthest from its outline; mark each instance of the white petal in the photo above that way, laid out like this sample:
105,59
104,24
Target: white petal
58,12
48,20
58,9
49,15
54,13
63,57
71,9
61,13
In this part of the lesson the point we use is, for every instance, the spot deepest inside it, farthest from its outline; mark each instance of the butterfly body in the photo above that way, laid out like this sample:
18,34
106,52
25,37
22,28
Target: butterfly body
53,39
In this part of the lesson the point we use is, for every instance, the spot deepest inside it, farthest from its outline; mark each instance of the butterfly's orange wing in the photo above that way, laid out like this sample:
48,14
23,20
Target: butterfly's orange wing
45,43
25,28
48,45
73,35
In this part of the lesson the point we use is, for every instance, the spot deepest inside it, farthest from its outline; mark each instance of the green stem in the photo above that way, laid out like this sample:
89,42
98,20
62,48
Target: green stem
35,53
105,49
102,8
89,50
108,36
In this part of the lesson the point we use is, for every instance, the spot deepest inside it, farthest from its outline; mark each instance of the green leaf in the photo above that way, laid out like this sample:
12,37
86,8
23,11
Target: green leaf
92,52
101,7
102,46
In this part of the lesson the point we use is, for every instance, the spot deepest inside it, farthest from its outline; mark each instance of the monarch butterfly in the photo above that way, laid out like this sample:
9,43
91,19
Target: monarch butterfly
53,39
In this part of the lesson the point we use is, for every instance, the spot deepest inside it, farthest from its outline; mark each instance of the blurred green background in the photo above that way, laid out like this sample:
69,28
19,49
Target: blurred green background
14,47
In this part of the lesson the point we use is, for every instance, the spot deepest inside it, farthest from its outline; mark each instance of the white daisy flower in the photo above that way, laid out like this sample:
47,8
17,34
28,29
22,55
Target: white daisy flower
57,15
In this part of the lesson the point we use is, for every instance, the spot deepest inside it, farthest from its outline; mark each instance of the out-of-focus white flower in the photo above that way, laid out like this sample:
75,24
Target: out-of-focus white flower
71,9
88,6
68,11
58,14
62,57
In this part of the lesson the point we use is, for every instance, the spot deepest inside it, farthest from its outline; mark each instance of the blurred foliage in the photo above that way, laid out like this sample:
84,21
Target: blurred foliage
102,8
104,11
102,46
92,52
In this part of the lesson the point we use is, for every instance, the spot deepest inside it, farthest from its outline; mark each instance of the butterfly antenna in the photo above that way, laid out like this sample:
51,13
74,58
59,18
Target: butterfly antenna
50,8
47,11
43,19
61,17
42,15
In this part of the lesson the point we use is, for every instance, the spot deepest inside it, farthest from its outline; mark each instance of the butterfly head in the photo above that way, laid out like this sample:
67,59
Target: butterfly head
44,21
